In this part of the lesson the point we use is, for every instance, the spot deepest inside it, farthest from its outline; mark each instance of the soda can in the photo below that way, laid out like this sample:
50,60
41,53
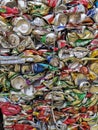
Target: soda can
18,82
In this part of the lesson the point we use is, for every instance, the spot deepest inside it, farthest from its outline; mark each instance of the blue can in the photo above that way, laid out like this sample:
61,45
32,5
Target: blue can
96,4
49,58
39,67
91,12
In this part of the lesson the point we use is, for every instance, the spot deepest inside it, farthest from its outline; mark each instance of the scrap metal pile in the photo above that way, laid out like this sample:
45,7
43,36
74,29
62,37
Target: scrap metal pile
49,64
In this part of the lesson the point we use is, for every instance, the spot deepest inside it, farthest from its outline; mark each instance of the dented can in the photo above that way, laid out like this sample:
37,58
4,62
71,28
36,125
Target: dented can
49,64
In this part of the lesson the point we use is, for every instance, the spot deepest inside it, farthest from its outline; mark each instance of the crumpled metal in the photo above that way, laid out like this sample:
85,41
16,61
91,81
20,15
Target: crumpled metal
49,64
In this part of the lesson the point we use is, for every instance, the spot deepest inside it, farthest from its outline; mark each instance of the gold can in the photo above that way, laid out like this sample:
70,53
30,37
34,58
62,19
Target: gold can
94,67
94,54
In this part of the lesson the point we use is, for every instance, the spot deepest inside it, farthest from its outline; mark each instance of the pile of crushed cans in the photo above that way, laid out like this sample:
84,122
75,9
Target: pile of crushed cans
49,64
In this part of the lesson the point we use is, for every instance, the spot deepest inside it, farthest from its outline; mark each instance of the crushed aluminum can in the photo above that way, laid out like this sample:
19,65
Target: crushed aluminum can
48,64
65,53
18,82
94,67
9,3
27,42
49,18
94,89
49,38
74,18
60,8
14,40
3,24
60,19
77,9
86,34
9,109
22,25
95,16
42,10
75,66
39,22
22,4
29,91
80,52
